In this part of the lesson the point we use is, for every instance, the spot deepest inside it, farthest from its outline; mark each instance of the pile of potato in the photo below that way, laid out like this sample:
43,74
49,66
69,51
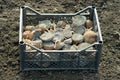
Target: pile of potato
60,35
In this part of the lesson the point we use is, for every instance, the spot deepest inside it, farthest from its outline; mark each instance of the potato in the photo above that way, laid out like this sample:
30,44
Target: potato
37,43
27,35
29,28
77,38
43,27
48,36
48,45
59,45
84,45
88,24
90,36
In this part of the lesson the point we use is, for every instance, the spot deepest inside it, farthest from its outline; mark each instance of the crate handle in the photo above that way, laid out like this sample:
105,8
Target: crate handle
65,51
60,14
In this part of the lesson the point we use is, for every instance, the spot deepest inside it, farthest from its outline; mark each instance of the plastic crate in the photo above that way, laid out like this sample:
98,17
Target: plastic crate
59,59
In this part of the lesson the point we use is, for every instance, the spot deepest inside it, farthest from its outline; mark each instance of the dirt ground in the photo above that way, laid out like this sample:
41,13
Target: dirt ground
109,16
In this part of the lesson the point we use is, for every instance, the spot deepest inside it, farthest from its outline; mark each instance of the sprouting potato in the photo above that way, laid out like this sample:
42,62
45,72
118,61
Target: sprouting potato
68,41
68,33
67,47
88,24
84,45
77,38
53,27
61,24
47,36
36,33
29,42
42,27
73,47
37,43
68,27
90,36
78,24
59,45
61,36
29,28
27,35
48,45
58,36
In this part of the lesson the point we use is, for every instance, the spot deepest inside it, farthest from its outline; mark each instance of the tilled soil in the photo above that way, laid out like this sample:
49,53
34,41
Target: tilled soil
109,16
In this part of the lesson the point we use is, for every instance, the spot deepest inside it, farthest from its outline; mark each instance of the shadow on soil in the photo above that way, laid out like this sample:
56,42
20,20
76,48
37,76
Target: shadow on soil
59,75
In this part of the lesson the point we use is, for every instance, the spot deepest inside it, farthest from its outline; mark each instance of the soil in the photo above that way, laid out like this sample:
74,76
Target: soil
109,16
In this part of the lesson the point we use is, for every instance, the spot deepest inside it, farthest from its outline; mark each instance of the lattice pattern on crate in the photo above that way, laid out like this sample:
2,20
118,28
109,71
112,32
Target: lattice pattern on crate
59,60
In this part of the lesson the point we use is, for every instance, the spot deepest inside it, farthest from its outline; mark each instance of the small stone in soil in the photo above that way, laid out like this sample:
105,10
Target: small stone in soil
5,68
6,36
4,65
2,49
116,35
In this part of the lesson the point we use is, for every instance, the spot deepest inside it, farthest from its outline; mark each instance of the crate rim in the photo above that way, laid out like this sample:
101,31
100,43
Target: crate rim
54,14
22,44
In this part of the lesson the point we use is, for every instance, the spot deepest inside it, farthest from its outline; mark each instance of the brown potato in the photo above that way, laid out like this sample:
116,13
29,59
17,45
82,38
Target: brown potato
37,43
84,45
29,42
29,28
61,24
27,35
90,36
88,24
42,27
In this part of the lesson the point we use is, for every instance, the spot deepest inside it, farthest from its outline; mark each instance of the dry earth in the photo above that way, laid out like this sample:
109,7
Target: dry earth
109,16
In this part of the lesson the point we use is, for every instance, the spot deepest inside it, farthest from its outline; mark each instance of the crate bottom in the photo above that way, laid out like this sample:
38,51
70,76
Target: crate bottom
61,69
